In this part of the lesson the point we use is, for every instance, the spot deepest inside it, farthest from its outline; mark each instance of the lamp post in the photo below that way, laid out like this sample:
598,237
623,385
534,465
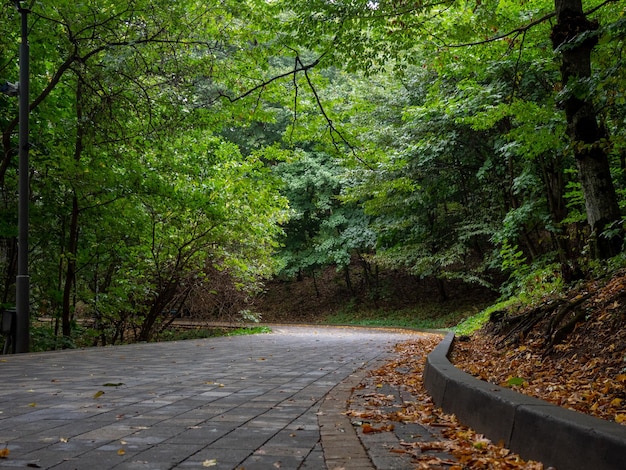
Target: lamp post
22,284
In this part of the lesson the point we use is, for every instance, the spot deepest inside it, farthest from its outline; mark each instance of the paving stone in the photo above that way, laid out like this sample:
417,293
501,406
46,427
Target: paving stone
222,458
253,400
380,446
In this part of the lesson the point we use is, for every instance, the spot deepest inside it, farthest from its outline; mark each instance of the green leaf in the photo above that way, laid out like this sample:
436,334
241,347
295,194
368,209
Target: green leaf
514,381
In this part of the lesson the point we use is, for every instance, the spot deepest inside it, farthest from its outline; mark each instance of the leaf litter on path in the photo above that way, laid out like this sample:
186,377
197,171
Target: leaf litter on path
451,444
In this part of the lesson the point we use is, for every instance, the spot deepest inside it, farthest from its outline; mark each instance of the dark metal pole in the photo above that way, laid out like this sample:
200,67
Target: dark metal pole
22,287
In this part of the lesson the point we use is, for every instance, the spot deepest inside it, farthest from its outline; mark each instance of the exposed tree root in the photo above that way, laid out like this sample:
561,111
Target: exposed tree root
555,335
560,334
515,328
560,316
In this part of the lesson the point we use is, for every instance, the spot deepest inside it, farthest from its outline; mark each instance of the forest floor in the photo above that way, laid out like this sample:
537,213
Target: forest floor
391,299
569,349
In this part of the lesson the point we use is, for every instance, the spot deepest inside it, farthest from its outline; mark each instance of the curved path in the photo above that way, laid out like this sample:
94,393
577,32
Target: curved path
249,401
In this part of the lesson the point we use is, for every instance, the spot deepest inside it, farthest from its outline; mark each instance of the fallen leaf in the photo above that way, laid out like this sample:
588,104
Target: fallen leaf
368,428
209,463
515,381
462,447
4,453
98,394
121,452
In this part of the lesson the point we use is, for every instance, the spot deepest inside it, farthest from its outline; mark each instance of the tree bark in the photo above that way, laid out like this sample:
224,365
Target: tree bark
587,135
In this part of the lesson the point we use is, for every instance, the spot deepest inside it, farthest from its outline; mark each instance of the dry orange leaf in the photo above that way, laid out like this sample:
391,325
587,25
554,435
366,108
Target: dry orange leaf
4,453
368,428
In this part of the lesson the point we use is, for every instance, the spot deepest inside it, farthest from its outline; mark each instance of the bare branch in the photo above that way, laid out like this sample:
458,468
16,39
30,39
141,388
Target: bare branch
514,32
295,99
331,126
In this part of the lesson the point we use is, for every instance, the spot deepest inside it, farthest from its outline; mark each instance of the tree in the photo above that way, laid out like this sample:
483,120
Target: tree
322,230
126,211
476,37
575,36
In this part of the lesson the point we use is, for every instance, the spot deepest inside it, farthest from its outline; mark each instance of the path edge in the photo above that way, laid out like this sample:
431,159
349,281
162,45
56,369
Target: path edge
533,428
340,443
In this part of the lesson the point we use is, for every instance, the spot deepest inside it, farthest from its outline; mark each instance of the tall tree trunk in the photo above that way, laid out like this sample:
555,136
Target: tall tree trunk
70,272
583,128
552,175
72,244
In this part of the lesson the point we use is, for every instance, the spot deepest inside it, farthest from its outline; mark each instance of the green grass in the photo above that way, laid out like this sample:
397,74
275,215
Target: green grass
180,334
476,322
429,316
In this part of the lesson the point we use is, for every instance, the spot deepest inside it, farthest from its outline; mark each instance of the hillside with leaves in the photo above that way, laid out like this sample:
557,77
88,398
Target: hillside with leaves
568,349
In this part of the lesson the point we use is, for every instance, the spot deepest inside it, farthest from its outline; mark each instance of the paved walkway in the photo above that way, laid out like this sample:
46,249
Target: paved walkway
254,402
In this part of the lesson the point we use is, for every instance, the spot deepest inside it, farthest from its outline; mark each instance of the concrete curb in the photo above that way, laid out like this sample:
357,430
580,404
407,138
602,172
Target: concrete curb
533,428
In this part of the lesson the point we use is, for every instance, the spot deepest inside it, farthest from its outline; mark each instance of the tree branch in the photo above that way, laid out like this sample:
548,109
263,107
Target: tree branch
331,126
265,83
525,28
516,31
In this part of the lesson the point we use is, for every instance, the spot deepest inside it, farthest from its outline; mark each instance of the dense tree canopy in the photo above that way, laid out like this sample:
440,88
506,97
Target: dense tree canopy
178,144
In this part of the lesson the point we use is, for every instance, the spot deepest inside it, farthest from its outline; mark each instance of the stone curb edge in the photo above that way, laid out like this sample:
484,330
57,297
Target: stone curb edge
533,428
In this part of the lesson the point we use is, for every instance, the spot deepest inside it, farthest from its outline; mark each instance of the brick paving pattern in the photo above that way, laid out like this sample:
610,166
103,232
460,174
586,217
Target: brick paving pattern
252,402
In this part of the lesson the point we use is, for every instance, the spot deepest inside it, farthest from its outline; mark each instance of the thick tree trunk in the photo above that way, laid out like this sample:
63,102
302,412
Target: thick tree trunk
587,135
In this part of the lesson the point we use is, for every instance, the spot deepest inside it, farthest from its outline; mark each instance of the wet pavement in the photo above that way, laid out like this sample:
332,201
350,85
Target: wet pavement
253,402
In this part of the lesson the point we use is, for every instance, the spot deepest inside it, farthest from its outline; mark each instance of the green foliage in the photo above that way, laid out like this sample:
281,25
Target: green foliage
135,197
173,141
531,283
427,316
321,231
477,321
44,337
